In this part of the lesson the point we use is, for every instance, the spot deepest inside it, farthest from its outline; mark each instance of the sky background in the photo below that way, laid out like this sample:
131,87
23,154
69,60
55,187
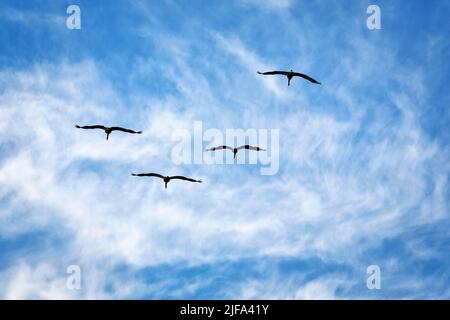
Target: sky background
364,158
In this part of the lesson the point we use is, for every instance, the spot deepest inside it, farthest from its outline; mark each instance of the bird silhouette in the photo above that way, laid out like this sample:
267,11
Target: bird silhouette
235,150
108,130
166,179
290,75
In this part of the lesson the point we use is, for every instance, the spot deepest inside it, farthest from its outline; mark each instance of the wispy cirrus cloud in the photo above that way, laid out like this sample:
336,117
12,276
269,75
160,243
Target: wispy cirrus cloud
268,5
31,18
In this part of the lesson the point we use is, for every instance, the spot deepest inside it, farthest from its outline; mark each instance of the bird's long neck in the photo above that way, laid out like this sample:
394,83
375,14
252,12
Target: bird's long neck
107,136
165,184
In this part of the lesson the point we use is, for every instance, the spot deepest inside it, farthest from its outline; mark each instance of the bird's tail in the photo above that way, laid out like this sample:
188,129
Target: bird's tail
77,126
107,136
165,185
139,132
134,174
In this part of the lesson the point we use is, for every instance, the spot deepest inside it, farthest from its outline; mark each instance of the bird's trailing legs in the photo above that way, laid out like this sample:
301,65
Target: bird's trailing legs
166,181
108,132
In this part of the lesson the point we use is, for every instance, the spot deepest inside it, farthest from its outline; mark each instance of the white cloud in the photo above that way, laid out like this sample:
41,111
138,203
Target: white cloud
31,18
269,5
40,282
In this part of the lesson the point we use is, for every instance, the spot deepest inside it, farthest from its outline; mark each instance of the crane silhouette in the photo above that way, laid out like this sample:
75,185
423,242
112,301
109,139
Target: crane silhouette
108,130
166,179
235,150
290,75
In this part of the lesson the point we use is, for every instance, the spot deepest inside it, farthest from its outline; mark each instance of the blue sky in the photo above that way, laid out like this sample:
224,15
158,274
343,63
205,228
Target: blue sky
364,158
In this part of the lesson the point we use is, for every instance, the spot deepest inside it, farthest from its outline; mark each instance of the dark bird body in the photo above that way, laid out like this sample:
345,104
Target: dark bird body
290,75
108,130
235,150
166,179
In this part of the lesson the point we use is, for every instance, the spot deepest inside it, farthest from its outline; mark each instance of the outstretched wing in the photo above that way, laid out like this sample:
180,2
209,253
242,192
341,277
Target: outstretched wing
304,76
148,175
219,148
184,178
249,147
97,126
284,73
124,130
